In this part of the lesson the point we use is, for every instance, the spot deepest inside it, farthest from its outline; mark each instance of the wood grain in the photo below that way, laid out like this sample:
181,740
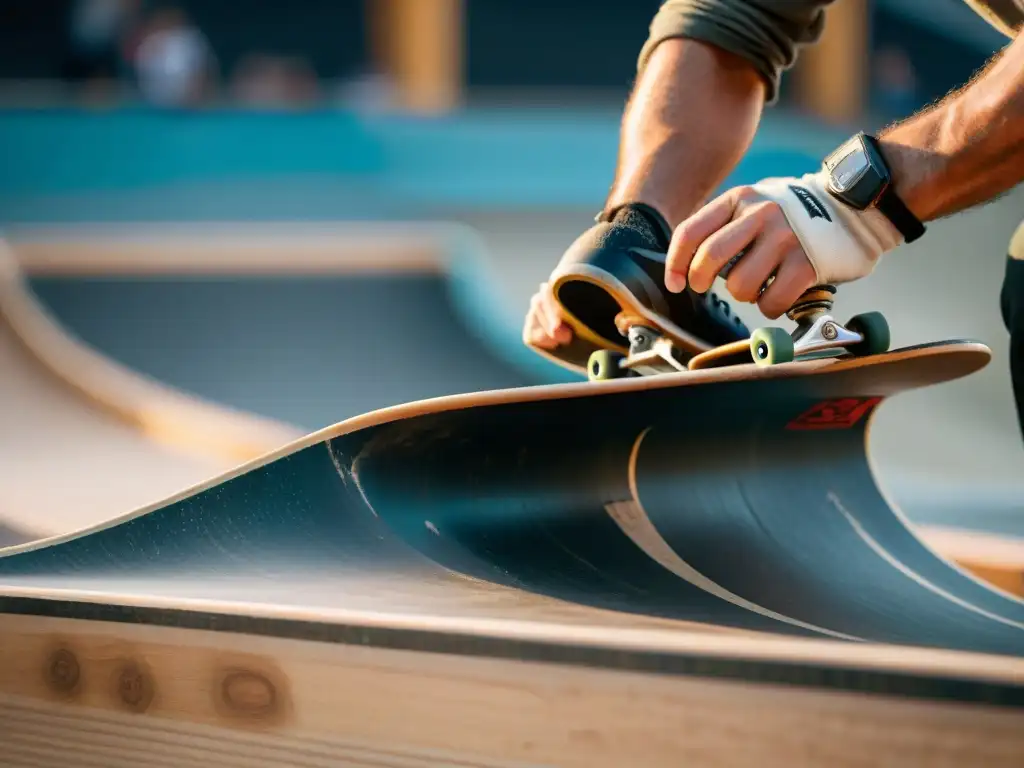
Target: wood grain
218,699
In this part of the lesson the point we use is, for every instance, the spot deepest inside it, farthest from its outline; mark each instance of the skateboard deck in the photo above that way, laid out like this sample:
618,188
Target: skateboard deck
611,557
623,325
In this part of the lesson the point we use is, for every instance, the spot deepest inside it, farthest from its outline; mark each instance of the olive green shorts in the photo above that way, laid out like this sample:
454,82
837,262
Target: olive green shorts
1012,305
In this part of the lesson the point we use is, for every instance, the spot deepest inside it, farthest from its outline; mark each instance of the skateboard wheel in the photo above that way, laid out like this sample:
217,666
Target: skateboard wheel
604,364
771,346
875,330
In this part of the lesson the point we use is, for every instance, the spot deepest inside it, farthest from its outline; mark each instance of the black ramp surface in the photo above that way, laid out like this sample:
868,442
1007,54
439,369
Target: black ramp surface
738,497
292,533
519,497
303,532
306,350
805,552
772,520
787,478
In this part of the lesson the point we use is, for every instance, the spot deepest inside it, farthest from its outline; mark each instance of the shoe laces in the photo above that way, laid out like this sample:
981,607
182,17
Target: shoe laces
723,307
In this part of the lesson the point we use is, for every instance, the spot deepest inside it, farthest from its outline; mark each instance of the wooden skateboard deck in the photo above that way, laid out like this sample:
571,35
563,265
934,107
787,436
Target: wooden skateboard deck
645,545
736,353
615,296
625,302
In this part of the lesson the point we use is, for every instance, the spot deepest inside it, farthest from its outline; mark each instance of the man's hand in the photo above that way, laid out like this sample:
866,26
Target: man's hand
741,218
796,235
963,151
544,327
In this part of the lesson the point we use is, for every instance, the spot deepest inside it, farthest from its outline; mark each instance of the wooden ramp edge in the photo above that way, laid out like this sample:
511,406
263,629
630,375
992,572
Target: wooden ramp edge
996,559
84,439
159,411
249,248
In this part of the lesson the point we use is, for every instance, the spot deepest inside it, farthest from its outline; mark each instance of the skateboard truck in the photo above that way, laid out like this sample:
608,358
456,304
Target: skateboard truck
817,332
650,353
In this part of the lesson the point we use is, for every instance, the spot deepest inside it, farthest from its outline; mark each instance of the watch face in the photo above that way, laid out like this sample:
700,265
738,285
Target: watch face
849,170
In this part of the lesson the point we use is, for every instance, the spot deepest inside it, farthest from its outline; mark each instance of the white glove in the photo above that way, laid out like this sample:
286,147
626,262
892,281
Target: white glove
842,243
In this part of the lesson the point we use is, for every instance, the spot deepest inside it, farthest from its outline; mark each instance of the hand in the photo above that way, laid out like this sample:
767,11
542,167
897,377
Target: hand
741,218
545,326
796,236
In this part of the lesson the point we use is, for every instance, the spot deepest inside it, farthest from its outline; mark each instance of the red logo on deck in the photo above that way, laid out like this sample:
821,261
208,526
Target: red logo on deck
835,414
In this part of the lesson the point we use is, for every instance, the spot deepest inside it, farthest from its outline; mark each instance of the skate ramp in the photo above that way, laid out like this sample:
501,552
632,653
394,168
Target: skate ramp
312,324
489,506
504,530
309,325
82,439
443,553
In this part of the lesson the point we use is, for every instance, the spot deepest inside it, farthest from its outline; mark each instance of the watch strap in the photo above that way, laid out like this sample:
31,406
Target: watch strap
890,204
902,218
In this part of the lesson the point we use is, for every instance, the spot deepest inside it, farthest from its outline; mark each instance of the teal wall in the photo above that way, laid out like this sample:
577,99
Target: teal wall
68,165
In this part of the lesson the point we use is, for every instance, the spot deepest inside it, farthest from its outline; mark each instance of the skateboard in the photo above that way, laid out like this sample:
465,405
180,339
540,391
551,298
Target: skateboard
651,344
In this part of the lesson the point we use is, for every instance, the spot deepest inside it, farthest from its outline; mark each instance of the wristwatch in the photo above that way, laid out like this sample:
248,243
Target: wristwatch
859,177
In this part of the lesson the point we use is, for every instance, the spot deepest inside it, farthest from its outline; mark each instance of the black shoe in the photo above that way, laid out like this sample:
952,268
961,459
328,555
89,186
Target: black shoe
618,266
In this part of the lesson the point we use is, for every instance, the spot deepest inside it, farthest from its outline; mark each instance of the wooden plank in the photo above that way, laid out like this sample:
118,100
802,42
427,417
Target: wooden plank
419,44
830,77
87,693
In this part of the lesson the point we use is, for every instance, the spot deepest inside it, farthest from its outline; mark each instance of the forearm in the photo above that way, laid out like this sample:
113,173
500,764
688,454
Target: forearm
966,150
691,117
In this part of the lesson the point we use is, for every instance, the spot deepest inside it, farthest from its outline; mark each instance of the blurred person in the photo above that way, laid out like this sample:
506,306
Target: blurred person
97,29
174,63
705,74
369,91
265,80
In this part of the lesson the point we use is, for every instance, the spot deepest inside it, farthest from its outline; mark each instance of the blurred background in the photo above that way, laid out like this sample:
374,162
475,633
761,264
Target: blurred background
427,54
150,118
400,105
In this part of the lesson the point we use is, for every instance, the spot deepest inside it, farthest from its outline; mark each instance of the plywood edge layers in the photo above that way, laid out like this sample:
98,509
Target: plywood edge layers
160,412
249,248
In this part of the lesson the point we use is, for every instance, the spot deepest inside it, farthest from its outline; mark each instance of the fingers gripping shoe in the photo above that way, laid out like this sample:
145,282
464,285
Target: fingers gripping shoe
613,278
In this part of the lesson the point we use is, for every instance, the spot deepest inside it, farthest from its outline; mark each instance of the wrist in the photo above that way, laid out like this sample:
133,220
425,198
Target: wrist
858,175
913,173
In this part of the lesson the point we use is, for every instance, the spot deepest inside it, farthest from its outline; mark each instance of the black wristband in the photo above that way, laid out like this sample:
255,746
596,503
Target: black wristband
892,207
902,217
